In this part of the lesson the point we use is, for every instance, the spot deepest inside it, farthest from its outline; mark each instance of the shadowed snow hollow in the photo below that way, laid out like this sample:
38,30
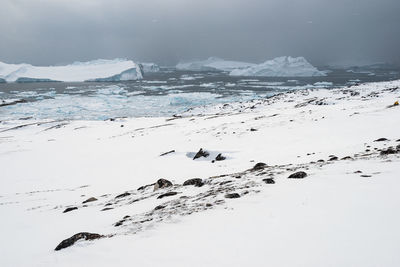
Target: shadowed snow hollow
280,67
96,70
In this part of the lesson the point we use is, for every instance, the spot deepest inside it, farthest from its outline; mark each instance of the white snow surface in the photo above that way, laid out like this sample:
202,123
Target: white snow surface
280,67
101,69
344,213
212,64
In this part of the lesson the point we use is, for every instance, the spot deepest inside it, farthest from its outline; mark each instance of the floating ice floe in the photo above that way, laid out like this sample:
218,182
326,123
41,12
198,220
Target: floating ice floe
281,67
213,64
96,70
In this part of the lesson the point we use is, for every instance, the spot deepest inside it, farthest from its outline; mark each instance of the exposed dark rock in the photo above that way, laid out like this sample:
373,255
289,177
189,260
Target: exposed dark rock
298,175
398,140
347,158
145,186
321,160
89,200
253,130
168,194
119,223
232,195
195,181
333,158
225,182
70,209
70,241
259,166
126,217
166,153
159,207
201,153
398,148
162,183
389,151
381,139
358,171
366,175
105,209
269,180
123,195
220,157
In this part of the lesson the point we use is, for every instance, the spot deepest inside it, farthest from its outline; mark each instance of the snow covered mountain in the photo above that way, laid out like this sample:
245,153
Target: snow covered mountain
280,67
96,70
212,64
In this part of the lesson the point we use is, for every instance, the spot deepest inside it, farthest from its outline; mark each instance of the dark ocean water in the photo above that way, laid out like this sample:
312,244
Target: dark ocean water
160,94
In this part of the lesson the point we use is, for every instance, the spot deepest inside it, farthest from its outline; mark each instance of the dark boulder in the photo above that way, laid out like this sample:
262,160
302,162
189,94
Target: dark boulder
166,153
269,181
167,195
195,181
389,151
201,153
159,207
347,158
70,241
381,140
298,175
123,195
70,209
89,200
332,158
220,157
162,183
232,195
259,166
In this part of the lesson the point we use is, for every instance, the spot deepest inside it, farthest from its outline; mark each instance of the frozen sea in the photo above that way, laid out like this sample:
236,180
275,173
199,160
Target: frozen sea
164,93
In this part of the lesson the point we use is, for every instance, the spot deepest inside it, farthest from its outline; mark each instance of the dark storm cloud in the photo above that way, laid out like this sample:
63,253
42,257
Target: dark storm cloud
165,31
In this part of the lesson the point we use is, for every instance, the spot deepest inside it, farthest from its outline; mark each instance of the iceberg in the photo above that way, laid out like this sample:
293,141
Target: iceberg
213,64
280,67
96,70
149,67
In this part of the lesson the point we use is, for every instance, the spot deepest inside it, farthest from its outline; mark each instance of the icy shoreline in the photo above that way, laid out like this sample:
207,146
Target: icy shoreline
342,212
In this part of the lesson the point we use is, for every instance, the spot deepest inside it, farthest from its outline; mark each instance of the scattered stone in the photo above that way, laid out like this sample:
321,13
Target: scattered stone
70,241
358,171
123,195
126,217
259,166
398,140
70,209
168,194
89,200
119,223
225,182
232,195
220,157
365,175
145,186
208,205
321,160
162,183
166,153
253,130
346,158
269,180
159,207
201,153
398,148
195,181
298,175
389,151
381,140
333,158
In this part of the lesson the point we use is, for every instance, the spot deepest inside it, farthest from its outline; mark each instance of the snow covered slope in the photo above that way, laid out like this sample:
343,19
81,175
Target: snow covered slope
212,64
280,67
343,213
96,70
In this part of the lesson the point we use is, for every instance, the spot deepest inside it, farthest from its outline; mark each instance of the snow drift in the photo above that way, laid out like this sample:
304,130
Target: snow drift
213,64
96,70
280,67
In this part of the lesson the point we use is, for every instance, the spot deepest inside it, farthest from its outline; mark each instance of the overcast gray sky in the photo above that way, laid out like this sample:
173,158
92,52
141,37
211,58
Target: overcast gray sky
165,31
